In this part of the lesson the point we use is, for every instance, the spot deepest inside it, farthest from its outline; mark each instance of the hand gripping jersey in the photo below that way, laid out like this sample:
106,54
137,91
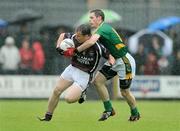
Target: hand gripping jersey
111,40
88,59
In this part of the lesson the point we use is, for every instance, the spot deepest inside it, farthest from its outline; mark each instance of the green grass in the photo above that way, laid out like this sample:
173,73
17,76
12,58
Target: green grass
20,115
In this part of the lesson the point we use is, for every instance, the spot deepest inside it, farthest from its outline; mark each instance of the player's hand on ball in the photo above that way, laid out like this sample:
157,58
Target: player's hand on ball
59,50
69,52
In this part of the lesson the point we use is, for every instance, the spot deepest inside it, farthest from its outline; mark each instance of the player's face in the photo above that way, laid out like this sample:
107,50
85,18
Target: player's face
93,20
81,38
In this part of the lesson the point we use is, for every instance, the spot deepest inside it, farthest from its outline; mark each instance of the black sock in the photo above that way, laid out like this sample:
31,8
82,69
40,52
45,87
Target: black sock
48,116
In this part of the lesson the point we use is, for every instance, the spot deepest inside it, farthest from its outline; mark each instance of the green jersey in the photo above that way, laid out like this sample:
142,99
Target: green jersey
111,40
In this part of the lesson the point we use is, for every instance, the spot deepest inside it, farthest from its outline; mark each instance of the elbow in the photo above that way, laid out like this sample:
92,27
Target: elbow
92,43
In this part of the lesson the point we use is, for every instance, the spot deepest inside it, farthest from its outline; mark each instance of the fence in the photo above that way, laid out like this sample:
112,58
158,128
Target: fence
42,87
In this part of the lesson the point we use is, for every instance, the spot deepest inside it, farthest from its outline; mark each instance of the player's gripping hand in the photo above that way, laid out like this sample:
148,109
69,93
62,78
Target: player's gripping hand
111,60
70,52
59,50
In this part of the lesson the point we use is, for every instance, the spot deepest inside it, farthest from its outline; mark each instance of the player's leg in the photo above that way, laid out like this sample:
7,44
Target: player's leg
81,80
130,99
82,97
102,76
126,75
61,85
99,83
83,94
73,93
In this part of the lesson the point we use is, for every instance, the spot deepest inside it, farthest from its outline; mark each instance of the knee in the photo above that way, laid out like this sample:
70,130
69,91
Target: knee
124,93
69,100
57,91
97,83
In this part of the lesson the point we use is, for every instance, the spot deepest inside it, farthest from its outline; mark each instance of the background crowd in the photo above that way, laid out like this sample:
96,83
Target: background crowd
28,53
151,60
27,43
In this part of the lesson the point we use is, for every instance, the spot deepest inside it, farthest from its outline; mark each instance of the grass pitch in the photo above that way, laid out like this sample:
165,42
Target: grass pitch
20,115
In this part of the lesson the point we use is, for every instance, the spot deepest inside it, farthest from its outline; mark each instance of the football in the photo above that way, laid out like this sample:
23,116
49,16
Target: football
66,43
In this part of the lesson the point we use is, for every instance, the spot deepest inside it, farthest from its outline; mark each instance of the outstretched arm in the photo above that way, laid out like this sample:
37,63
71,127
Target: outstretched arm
88,43
60,39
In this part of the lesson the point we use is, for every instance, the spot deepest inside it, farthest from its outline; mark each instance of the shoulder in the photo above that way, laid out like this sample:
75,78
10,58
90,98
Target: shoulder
104,27
107,25
3,48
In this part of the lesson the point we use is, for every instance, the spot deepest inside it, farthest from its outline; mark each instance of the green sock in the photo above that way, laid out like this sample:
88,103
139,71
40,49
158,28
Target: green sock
134,111
107,105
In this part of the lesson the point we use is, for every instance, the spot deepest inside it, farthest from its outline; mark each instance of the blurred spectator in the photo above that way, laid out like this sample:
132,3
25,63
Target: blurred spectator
140,61
176,64
26,58
176,40
38,58
151,66
3,32
22,34
9,56
156,47
49,51
163,64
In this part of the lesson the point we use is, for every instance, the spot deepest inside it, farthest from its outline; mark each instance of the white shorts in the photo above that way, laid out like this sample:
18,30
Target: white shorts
121,67
77,76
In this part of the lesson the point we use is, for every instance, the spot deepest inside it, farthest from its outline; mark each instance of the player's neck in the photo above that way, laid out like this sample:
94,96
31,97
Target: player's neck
99,24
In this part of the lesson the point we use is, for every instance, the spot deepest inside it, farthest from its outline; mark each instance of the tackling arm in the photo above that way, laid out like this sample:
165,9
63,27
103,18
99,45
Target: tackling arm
88,43
111,60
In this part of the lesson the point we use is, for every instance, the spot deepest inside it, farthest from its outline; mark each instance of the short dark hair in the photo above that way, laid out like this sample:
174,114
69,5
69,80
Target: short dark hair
85,29
98,12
